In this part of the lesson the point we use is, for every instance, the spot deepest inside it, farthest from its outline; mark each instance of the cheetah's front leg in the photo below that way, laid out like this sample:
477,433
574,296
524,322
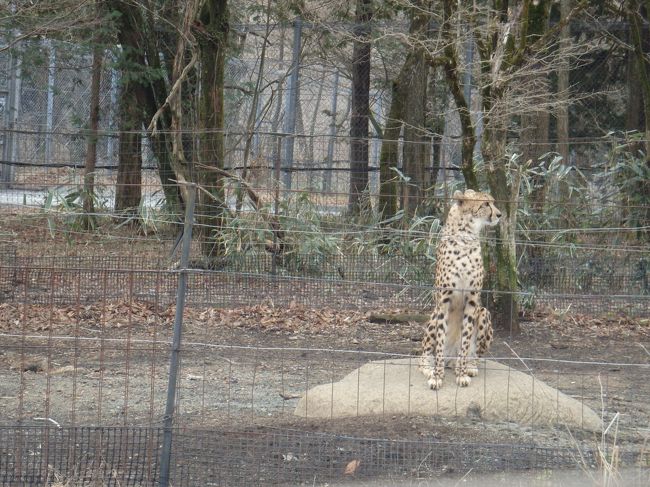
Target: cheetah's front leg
432,361
481,340
485,332
463,374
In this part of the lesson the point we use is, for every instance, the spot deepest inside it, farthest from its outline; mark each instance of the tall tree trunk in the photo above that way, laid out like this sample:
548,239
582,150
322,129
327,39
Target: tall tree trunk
156,93
436,103
562,112
534,144
389,155
212,39
360,105
408,93
144,89
128,190
415,148
91,145
634,116
254,112
312,131
503,272
535,122
414,82
639,14
453,76
638,18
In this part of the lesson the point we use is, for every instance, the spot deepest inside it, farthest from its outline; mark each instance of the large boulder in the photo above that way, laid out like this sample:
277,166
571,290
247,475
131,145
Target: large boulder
396,386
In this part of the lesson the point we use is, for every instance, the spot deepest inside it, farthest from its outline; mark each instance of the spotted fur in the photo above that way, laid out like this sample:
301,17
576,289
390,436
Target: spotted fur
459,324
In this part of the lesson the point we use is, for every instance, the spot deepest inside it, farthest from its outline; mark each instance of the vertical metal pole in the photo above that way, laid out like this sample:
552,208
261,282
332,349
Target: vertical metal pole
256,127
110,143
467,90
327,180
11,111
378,110
49,121
467,78
168,420
276,208
292,103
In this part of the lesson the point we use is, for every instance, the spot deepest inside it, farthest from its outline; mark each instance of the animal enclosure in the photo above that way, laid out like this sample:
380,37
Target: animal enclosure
259,322
86,340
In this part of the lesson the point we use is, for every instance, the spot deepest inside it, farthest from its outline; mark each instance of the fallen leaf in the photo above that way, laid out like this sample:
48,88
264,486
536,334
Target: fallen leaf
286,397
352,467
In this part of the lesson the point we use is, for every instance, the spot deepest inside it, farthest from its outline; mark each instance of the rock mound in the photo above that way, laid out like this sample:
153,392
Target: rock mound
396,386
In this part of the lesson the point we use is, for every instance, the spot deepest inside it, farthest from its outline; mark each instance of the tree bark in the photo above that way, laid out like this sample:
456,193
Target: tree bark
453,77
156,93
389,156
408,94
128,190
535,121
144,89
415,81
640,33
436,106
496,54
253,113
503,273
634,117
91,145
360,105
562,113
212,38
638,17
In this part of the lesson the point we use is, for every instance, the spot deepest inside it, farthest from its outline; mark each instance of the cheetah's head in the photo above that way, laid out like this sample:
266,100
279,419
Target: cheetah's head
479,207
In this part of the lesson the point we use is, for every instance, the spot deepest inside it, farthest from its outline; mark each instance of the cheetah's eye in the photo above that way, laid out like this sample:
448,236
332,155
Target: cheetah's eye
486,204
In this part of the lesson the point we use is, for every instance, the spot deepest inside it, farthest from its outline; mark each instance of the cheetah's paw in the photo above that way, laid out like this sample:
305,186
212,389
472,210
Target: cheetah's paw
435,383
472,370
463,380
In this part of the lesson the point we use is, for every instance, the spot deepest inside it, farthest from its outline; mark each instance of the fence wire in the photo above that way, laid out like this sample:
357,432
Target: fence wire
86,342
86,333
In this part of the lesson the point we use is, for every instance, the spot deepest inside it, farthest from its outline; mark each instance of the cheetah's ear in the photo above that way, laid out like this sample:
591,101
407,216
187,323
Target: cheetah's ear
459,196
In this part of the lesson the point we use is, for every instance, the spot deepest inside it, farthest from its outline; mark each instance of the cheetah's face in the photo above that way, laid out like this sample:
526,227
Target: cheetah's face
479,207
487,211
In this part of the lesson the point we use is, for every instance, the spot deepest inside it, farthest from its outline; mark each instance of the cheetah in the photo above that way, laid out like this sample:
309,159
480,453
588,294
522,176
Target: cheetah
459,322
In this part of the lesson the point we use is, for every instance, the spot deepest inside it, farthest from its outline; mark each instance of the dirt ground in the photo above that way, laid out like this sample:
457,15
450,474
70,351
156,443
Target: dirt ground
106,362
242,368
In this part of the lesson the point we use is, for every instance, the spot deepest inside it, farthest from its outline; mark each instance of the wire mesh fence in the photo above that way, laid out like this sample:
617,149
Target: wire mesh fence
306,297
85,363
262,457
594,285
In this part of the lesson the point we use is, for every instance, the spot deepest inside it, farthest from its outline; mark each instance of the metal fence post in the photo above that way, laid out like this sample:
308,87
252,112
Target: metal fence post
327,179
49,116
292,103
12,107
165,460
112,121
276,206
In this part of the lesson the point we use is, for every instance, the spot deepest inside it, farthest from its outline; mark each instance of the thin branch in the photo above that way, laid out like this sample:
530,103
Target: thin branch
173,92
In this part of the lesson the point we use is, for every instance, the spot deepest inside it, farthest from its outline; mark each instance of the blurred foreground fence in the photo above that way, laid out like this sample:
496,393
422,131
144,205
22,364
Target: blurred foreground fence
98,386
85,371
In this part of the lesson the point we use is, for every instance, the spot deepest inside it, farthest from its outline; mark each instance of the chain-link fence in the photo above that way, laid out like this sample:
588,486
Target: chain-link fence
305,296
85,363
